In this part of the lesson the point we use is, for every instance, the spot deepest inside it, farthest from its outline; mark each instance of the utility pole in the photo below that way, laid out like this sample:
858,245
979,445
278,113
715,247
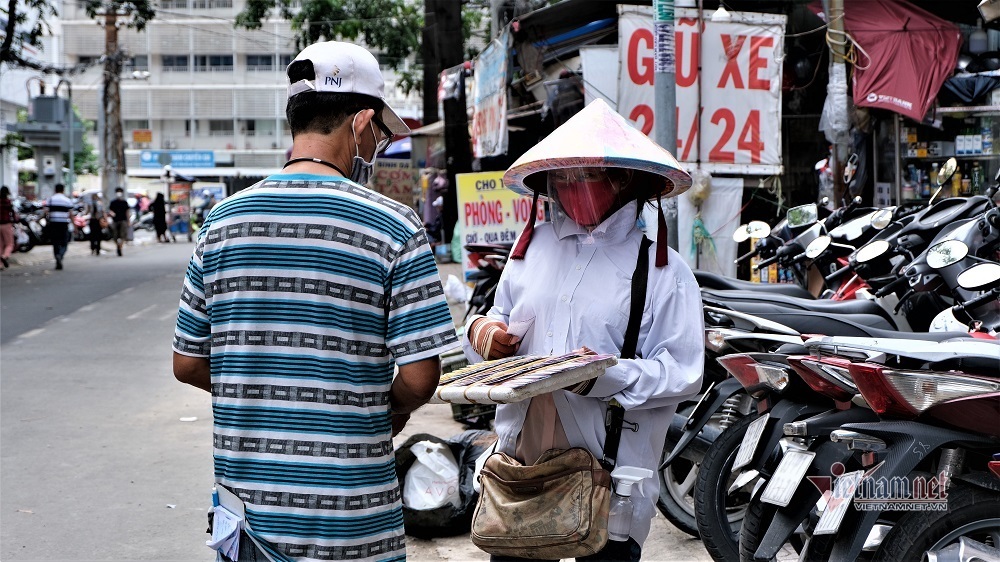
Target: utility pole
665,100
113,153
838,47
456,119
432,67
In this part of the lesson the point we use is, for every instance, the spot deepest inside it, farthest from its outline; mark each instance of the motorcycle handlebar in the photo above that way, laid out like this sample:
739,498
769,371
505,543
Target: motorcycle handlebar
836,274
765,263
973,303
891,287
747,256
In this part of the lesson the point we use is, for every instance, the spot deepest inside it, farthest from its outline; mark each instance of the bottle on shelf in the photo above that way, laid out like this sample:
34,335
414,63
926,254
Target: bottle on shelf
934,173
956,183
977,179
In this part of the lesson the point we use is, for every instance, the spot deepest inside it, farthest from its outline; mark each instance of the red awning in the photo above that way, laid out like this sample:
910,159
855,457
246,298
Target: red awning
912,53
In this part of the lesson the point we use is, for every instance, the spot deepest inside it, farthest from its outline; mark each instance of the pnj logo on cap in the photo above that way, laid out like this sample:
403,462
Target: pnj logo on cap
332,79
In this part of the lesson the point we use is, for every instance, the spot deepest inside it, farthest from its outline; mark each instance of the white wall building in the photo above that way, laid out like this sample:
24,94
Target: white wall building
210,88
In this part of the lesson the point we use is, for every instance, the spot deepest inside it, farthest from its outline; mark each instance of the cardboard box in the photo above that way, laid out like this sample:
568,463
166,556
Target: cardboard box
977,144
961,145
941,148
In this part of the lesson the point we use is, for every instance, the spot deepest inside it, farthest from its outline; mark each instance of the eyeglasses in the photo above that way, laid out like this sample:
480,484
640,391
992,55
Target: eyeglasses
386,142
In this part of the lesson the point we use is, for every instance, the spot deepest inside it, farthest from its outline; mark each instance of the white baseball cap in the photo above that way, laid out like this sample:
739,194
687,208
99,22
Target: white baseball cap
346,68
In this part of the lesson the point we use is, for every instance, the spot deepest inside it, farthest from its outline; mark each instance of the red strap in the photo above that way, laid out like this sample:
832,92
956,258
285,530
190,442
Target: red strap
661,236
522,243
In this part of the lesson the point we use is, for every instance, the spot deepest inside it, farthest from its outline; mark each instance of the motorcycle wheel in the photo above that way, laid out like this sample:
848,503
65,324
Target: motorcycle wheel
719,514
676,502
676,484
758,518
755,523
973,513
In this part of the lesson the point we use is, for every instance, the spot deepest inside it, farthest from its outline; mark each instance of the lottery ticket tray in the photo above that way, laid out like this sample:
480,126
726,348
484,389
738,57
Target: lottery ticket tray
512,390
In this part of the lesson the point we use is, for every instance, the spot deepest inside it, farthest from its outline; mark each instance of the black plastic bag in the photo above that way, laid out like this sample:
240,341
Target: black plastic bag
448,520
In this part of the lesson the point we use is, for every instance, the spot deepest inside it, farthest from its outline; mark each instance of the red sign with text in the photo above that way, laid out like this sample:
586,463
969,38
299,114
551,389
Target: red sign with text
738,129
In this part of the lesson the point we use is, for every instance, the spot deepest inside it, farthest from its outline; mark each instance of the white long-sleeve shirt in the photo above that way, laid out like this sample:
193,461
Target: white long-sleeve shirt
577,288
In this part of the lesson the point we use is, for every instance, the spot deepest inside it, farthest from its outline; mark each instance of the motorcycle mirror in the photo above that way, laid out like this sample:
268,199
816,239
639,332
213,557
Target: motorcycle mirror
980,276
756,229
871,250
818,246
946,253
882,218
802,215
946,171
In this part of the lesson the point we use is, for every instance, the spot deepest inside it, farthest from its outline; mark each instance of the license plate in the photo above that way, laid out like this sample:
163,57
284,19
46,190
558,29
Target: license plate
787,477
837,504
749,444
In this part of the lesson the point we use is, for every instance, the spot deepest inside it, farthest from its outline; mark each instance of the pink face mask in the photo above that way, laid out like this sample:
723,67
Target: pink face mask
586,202
585,194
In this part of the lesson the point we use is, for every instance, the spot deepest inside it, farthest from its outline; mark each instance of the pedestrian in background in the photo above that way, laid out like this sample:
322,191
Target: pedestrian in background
119,215
8,218
159,206
303,294
58,212
98,222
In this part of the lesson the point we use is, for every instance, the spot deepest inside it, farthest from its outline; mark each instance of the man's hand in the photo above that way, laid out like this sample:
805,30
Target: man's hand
490,339
399,422
195,371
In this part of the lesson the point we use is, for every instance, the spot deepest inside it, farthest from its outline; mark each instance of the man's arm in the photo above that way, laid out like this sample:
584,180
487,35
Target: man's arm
414,385
197,371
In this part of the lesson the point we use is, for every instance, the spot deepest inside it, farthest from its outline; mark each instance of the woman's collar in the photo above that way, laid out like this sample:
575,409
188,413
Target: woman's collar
613,228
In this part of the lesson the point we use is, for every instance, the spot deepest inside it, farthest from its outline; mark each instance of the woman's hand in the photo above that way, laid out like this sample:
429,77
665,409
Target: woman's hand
490,339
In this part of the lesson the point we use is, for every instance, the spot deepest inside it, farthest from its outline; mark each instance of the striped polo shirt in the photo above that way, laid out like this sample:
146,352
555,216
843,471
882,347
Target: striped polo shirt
59,207
304,291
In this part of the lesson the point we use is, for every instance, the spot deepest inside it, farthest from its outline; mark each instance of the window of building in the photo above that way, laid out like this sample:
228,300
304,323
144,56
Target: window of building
138,62
173,4
260,62
220,127
213,63
210,4
174,63
132,124
286,60
187,127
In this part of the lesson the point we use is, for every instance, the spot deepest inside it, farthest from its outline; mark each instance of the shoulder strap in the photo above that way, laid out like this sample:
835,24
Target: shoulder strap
615,416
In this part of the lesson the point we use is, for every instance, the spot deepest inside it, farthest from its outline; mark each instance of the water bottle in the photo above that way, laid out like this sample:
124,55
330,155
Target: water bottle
620,514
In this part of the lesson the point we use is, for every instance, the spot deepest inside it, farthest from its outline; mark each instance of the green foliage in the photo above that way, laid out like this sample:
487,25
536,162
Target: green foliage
24,27
131,13
392,28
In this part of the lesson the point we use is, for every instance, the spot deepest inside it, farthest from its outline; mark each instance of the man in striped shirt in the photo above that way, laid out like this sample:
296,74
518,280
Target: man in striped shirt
58,210
302,294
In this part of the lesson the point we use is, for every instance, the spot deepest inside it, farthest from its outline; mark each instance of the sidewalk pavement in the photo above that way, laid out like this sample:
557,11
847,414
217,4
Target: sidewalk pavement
42,255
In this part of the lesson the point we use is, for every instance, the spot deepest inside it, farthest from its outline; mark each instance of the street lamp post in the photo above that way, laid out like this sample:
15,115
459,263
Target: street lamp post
69,88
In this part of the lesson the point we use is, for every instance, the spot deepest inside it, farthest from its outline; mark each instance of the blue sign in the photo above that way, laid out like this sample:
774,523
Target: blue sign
177,158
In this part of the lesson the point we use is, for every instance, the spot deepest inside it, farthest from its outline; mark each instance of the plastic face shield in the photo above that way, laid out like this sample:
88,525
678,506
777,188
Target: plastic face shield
583,197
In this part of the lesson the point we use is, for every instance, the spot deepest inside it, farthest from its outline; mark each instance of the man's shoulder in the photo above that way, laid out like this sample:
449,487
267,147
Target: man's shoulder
342,187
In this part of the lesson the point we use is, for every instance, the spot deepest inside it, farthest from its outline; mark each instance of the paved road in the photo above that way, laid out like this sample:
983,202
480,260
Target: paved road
98,462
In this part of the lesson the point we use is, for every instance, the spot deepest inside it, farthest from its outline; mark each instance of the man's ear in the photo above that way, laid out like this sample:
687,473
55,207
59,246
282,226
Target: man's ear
361,122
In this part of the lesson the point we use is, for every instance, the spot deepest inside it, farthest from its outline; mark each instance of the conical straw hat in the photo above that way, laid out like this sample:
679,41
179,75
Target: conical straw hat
597,136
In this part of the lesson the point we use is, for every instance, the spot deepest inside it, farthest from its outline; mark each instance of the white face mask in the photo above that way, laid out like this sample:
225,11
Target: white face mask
361,171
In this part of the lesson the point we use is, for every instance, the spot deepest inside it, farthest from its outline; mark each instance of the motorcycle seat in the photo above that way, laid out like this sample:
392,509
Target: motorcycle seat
804,322
709,280
780,302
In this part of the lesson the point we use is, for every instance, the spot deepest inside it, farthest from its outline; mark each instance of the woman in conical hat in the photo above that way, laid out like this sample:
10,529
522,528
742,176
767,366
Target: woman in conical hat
569,286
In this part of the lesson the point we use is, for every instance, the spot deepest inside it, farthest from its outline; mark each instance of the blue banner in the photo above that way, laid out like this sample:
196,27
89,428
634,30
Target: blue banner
177,158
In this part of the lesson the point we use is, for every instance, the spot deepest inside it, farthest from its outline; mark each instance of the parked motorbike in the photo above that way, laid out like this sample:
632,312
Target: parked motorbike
770,520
